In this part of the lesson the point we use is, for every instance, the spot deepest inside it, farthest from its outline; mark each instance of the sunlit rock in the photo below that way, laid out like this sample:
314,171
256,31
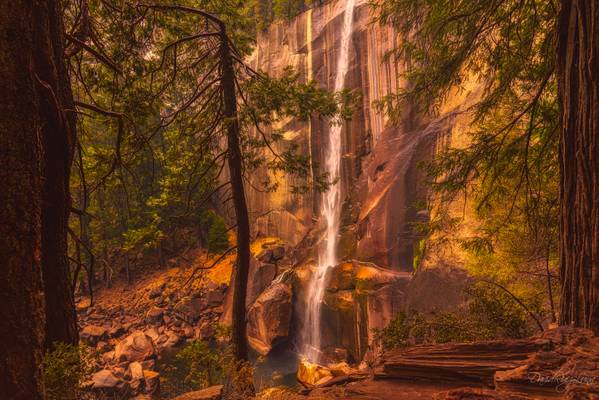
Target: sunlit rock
311,374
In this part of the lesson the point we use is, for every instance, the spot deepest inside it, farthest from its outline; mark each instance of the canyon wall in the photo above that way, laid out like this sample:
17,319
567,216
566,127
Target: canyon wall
381,179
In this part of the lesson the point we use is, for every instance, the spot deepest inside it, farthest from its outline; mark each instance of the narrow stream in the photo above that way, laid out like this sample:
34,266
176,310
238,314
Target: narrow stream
330,206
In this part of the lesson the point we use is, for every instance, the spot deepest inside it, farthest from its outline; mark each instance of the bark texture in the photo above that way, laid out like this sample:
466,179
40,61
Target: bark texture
235,164
21,298
58,133
578,80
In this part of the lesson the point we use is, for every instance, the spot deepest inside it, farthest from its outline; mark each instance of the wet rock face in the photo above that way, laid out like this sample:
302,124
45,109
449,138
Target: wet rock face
380,178
269,318
360,297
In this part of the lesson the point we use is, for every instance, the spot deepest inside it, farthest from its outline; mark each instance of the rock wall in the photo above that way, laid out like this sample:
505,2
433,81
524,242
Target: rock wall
380,178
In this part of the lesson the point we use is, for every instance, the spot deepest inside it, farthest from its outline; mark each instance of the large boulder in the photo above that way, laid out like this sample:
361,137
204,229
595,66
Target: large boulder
136,347
259,278
310,374
269,318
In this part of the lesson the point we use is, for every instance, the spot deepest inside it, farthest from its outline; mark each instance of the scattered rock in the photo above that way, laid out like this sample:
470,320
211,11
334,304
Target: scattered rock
116,331
192,307
136,347
136,370
92,334
108,357
156,292
152,381
152,332
154,315
172,340
215,297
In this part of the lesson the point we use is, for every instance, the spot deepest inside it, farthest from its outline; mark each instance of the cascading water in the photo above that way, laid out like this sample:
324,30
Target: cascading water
330,206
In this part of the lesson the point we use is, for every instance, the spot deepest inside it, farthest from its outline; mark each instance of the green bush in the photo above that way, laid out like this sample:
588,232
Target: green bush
499,314
490,314
216,231
207,365
65,369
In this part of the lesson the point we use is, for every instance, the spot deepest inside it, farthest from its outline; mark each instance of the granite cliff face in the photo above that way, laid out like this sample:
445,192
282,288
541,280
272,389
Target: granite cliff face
380,176
381,182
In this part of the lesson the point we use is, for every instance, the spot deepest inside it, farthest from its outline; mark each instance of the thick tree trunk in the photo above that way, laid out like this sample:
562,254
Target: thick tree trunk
58,138
21,297
242,267
578,80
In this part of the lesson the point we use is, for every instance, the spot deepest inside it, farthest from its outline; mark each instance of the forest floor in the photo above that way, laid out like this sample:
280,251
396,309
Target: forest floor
163,304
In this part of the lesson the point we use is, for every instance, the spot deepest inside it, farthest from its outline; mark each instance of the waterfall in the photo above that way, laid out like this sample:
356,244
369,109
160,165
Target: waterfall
330,210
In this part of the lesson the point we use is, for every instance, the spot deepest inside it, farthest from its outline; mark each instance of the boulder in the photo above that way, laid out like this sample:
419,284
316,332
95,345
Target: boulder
136,347
310,374
260,277
108,357
211,393
340,369
152,381
192,307
155,315
136,371
152,332
92,334
106,380
116,330
172,340
215,297
269,318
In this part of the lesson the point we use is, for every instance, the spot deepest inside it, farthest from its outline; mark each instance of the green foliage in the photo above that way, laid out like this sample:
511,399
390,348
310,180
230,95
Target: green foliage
65,369
216,231
205,364
508,169
419,253
152,147
490,314
210,364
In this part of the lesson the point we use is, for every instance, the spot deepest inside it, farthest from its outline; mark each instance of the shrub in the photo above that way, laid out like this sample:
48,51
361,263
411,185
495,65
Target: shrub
490,314
215,228
210,364
65,369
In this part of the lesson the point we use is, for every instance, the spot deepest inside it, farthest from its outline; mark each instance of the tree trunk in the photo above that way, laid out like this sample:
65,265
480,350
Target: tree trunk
578,84
21,297
58,138
240,279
